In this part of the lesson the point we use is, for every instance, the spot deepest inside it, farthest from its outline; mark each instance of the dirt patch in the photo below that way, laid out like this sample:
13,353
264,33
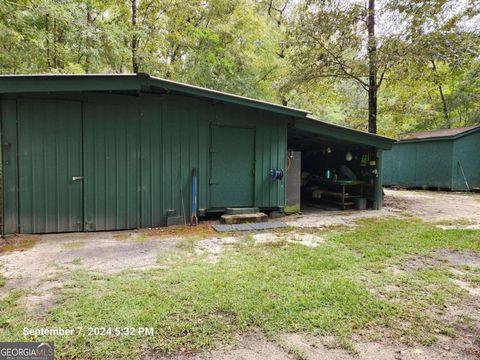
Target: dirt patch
37,306
17,243
315,218
463,315
203,229
464,318
320,348
435,205
449,258
473,291
40,269
460,258
428,205
250,346
460,227
55,253
254,346
305,239
414,264
214,246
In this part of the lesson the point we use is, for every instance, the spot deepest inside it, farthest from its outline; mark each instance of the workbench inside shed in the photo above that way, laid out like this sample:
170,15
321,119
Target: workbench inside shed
336,173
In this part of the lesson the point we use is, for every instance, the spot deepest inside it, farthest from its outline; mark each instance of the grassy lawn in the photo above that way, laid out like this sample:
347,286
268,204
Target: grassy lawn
356,282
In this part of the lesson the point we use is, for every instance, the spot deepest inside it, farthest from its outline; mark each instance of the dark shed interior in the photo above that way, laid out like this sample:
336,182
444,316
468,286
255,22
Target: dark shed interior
334,174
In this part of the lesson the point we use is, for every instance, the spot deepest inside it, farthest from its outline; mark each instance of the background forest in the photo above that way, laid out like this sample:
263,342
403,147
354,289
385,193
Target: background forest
312,54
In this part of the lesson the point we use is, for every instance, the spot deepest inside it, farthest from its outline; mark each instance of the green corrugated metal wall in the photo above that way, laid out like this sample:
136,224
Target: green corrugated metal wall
111,170
10,165
137,154
232,154
399,165
418,164
177,130
466,151
49,154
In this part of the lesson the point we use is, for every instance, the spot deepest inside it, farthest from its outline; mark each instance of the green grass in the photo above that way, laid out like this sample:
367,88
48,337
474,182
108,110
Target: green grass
77,261
450,222
187,244
344,286
74,245
141,237
3,281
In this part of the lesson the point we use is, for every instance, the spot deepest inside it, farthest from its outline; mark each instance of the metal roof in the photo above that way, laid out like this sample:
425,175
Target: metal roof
441,134
36,83
342,133
124,82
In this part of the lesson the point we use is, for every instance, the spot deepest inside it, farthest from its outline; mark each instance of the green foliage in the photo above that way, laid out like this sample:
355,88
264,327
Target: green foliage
424,50
300,53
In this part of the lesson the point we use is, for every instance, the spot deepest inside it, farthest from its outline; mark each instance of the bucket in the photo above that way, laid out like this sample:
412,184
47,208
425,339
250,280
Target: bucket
360,203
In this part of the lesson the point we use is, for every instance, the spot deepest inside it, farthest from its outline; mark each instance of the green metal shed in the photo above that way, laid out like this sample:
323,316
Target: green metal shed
110,152
444,159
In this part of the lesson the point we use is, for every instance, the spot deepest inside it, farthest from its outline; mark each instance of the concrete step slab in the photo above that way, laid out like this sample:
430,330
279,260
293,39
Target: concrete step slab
244,218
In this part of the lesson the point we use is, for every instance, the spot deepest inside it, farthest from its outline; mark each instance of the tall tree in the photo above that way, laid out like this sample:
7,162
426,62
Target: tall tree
372,68
338,41
135,65
440,35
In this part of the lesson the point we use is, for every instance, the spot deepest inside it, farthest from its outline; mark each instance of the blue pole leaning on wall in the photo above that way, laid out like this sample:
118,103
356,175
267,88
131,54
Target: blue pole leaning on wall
194,219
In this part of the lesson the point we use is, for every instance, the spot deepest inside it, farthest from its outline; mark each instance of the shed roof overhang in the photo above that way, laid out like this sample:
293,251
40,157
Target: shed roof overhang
340,134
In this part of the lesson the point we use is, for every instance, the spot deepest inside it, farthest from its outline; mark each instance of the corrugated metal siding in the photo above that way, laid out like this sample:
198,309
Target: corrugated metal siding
271,145
232,167
176,130
433,164
399,165
49,142
10,165
110,132
137,157
466,150
171,133
419,164
153,184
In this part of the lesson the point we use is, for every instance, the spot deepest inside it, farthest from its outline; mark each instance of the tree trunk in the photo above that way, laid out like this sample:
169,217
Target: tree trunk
135,66
47,31
372,69
87,41
446,113
55,59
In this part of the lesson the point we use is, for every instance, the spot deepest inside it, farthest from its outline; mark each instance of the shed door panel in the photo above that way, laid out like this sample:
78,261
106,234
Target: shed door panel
50,155
111,165
232,167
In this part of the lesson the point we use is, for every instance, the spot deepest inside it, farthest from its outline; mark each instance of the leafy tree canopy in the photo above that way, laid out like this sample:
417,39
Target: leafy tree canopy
313,54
